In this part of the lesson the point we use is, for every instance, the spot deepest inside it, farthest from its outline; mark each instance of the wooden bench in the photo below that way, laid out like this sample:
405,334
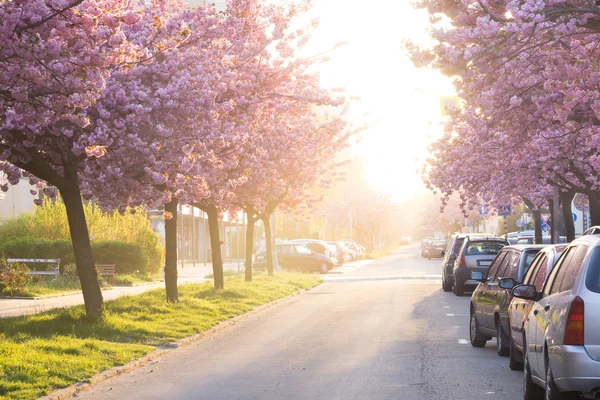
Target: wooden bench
55,272
107,270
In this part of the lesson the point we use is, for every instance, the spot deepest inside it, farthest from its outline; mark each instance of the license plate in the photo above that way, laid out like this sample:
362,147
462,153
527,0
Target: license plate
484,263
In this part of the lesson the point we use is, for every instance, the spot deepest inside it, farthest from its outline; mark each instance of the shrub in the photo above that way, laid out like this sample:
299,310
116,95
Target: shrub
39,248
127,257
13,276
49,222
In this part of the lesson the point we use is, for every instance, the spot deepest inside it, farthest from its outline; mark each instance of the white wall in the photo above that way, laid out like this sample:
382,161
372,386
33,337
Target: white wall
17,200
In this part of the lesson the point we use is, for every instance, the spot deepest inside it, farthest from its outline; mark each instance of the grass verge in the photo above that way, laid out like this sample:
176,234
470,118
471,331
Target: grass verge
134,279
43,352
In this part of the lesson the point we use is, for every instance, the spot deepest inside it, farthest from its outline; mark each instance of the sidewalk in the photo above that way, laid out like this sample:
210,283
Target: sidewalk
14,307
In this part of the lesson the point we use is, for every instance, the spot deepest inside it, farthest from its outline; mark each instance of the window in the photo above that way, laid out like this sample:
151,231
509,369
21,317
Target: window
504,265
302,250
542,273
495,265
592,280
553,284
285,250
572,269
483,248
512,267
457,245
531,273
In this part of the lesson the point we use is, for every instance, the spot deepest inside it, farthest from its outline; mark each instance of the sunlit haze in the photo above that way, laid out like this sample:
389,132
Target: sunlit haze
403,101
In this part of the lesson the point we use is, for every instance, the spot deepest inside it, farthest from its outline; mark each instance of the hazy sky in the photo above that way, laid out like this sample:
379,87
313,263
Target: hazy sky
403,99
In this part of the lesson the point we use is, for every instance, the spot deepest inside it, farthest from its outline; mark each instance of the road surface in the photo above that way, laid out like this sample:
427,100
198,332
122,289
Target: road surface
385,331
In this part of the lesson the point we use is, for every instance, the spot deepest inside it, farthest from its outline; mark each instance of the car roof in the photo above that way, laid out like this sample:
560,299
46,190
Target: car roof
591,240
483,239
525,247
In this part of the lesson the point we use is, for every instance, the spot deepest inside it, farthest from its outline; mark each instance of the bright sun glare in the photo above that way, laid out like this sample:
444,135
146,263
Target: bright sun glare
403,100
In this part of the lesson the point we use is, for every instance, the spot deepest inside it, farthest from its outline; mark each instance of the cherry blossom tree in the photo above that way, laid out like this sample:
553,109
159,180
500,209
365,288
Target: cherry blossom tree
526,73
55,59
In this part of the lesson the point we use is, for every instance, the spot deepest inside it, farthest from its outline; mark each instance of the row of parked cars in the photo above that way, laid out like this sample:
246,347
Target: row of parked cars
541,303
311,255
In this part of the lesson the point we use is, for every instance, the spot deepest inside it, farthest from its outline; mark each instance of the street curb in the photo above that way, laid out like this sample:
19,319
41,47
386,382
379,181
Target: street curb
46,296
68,392
126,285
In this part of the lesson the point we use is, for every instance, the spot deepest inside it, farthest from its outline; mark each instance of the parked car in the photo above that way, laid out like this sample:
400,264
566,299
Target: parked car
353,250
518,309
474,255
340,255
450,253
562,330
318,246
435,248
297,257
491,298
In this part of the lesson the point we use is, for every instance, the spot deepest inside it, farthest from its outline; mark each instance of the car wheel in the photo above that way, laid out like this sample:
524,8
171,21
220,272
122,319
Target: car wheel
551,390
531,391
477,339
324,268
502,340
446,286
459,289
513,363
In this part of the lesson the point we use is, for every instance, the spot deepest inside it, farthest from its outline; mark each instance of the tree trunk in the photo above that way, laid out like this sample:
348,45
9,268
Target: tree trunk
553,222
269,244
565,199
537,221
171,289
594,198
215,245
92,295
249,245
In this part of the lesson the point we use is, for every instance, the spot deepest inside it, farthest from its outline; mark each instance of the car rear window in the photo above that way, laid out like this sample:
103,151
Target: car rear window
483,248
592,280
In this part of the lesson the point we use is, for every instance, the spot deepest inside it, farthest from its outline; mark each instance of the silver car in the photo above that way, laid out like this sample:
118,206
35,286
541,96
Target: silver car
474,255
562,331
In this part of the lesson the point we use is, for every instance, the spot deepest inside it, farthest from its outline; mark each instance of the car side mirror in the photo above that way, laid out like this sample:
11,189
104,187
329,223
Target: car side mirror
526,292
443,253
507,283
452,257
477,276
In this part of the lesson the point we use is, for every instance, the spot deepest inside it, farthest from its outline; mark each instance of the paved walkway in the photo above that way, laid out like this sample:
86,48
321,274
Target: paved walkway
187,273
14,307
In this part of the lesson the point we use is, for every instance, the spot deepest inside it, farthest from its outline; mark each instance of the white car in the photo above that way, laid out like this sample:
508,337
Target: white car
353,250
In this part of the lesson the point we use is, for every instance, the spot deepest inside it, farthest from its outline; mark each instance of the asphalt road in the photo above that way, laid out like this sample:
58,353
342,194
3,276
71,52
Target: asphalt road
387,331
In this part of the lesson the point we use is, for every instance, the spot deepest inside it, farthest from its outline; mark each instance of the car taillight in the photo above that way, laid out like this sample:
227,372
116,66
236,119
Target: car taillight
462,263
574,327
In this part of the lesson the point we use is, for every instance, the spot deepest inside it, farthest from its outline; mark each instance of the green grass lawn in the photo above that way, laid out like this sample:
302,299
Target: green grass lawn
43,352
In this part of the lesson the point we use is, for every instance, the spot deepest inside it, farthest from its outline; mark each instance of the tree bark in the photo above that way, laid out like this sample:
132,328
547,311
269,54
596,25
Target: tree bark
172,292
215,245
594,198
537,221
249,244
80,238
269,243
566,198
553,222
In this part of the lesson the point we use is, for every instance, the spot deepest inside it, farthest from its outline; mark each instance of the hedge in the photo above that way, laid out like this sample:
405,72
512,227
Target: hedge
127,257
